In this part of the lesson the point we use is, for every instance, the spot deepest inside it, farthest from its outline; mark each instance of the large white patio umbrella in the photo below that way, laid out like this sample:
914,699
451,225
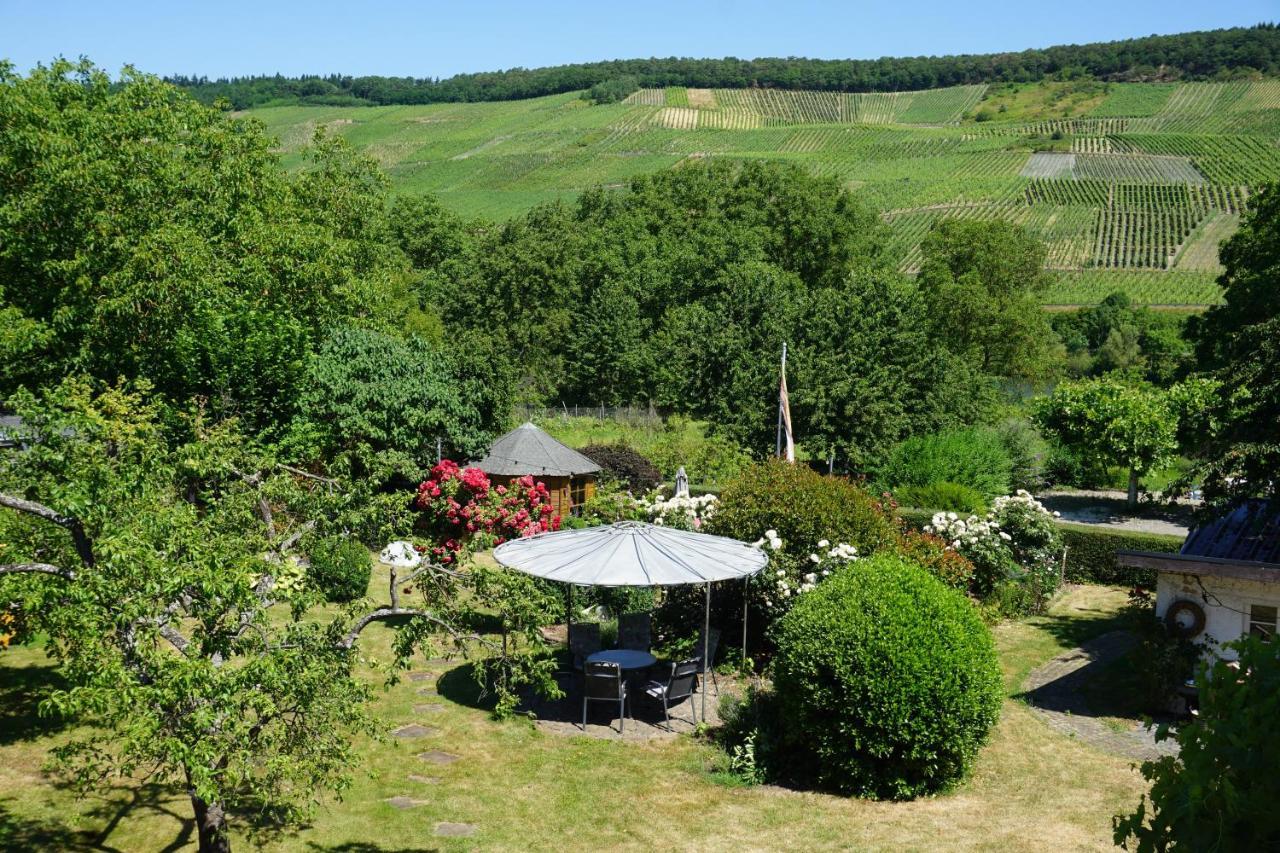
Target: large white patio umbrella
632,553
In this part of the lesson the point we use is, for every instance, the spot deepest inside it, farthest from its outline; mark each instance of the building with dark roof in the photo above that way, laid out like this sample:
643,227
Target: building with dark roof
528,451
1225,582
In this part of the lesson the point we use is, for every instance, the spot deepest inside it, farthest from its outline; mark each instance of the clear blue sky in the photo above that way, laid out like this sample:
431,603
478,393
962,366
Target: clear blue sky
428,39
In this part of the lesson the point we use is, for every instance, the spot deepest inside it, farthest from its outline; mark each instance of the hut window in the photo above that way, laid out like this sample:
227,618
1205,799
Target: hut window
577,495
1262,621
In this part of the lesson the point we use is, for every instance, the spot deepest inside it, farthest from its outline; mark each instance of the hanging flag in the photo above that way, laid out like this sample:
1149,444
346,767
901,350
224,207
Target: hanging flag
784,415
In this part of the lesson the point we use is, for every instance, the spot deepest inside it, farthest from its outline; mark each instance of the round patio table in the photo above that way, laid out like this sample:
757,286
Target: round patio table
625,658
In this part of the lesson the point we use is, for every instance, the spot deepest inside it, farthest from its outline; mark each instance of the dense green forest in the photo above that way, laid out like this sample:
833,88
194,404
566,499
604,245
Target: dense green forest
1196,55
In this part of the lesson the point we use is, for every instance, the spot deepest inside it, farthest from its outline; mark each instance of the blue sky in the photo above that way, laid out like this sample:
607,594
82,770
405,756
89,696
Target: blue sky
427,39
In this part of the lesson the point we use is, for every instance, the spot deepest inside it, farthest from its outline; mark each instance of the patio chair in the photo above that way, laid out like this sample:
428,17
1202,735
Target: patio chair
584,641
603,682
677,686
707,667
634,631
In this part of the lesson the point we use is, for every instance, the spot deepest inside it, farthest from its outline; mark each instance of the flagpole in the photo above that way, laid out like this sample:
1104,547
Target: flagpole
778,449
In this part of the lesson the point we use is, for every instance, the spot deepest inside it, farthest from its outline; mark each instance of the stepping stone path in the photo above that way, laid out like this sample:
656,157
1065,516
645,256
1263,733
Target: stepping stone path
415,730
431,708
422,676
404,802
455,830
1053,692
435,756
425,780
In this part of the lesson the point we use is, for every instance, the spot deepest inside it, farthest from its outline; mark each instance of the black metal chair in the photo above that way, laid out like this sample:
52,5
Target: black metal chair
603,682
707,667
678,685
584,641
634,631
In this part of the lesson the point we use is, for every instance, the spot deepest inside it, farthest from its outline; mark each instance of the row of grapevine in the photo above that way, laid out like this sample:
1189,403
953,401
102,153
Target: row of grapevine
1223,158
1145,287
647,98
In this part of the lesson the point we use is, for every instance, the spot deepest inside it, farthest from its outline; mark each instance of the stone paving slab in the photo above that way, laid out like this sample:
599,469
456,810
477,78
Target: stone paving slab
404,802
455,830
415,730
422,676
424,780
1053,690
435,756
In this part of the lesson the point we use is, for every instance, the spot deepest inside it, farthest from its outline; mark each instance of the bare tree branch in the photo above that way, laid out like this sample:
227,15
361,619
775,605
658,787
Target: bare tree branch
264,508
293,540
301,473
37,568
391,612
84,547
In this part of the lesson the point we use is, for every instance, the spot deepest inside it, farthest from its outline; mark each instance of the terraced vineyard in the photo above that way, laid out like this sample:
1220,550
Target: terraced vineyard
1133,190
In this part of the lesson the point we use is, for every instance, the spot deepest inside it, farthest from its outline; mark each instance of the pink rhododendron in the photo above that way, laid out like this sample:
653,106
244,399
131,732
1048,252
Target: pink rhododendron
461,506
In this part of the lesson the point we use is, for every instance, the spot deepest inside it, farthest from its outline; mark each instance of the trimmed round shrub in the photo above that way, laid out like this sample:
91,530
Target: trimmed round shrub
887,682
629,467
976,458
804,507
942,495
340,569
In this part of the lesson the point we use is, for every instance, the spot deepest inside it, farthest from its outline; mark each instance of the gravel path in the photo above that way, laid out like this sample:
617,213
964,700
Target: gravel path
1107,509
1053,691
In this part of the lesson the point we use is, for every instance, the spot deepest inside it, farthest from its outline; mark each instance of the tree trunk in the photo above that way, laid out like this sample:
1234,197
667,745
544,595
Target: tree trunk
1133,488
211,822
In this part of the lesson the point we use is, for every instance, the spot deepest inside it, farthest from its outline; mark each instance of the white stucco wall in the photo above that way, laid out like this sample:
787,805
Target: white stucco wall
1225,622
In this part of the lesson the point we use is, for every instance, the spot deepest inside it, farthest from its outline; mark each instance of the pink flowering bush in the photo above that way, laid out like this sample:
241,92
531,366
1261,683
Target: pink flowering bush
461,507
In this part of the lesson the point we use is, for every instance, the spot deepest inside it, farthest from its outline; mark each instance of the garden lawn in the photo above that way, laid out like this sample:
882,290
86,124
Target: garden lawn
1032,788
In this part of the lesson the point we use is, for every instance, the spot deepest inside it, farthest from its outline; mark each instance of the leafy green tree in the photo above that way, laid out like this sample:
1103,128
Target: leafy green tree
378,403
1113,423
982,282
155,575
1239,341
145,235
1219,792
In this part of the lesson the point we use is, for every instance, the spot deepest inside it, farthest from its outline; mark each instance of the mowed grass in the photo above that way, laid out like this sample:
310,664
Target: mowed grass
1032,789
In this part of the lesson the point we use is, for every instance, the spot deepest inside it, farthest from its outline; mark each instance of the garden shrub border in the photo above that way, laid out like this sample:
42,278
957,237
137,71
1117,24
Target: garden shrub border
1091,549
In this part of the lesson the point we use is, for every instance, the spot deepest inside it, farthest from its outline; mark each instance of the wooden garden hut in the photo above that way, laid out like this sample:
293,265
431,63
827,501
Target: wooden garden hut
569,476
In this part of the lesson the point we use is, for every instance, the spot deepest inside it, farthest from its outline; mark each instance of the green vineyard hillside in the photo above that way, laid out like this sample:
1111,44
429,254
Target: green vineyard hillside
1130,185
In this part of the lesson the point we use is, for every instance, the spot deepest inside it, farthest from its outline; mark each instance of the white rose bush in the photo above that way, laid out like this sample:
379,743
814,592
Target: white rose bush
787,578
1014,549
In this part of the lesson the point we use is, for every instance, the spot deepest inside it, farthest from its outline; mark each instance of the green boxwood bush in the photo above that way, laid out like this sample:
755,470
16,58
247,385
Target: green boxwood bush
1091,554
943,495
887,682
340,568
976,458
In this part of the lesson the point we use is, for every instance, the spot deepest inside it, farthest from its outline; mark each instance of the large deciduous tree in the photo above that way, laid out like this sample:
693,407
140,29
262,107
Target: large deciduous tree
145,235
158,577
1113,423
982,282
1239,341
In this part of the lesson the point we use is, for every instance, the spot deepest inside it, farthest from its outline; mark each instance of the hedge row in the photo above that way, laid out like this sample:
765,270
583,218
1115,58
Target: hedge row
1091,549
1091,554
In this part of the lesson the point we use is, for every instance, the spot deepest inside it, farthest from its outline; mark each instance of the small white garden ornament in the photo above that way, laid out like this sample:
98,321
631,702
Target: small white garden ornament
400,554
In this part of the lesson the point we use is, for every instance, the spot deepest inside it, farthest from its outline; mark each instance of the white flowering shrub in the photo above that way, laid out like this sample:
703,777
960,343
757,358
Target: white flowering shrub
787,577
1014,550
681,511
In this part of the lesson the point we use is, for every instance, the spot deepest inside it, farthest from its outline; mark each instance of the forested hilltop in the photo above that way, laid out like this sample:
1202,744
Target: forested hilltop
1239,51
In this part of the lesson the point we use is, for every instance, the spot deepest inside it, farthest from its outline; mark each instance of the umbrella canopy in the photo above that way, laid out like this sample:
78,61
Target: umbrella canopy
631,553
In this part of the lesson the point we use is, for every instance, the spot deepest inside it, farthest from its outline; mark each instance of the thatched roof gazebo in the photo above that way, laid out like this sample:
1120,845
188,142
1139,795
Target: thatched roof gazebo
569,476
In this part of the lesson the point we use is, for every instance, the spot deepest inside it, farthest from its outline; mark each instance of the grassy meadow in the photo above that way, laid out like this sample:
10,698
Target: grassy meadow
522,789
1131,185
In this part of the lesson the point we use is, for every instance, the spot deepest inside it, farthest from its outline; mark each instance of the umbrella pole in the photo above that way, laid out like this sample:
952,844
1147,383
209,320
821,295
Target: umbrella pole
706,645
746,588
